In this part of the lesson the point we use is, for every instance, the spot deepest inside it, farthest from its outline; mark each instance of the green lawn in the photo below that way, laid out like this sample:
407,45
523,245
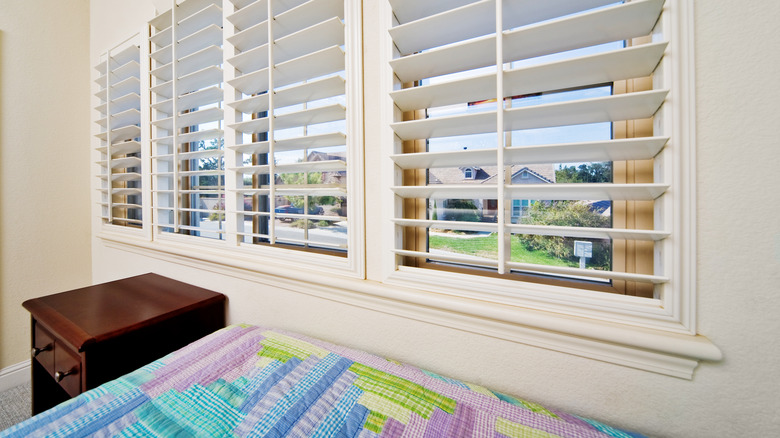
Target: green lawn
487,247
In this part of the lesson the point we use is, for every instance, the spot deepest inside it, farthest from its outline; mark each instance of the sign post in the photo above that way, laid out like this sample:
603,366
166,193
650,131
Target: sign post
584,250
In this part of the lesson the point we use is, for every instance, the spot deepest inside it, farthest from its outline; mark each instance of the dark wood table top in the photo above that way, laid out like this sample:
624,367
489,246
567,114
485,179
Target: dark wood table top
100,312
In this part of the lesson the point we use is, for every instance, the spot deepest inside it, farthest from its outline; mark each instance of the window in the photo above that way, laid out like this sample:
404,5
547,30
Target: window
252,133
575,116
187,128
290,150
120,147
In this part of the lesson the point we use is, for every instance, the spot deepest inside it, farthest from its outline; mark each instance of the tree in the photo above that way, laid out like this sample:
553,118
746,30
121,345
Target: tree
462,210
304,179
585,173
567,214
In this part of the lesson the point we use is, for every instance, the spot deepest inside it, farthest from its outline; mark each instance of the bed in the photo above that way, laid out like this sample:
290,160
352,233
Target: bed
246,380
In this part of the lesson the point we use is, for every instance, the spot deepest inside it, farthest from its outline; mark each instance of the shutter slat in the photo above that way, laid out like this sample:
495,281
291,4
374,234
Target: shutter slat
163,21
122,176
411,10
551,192
320,63
539,230
210,15
211,75
163,38
305,15
199,60
311,141
251,60
593,69
200,117
253,36
473,54
601,109
208,134
251,83
163,55
127,117
251,105
249,15
126,86
311,116
312,190
210,35
306,166
309,40
611,150
125,163
615,23
122,148
122,191
202,97
310,91
592,273
126,102
253,126
186,156
473,20
292,144
128,54
122,134
446,126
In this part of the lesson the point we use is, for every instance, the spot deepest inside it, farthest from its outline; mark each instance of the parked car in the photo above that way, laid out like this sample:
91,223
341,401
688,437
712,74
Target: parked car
287,209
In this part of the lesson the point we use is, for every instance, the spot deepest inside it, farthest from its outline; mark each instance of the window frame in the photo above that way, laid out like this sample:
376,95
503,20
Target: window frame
229,251
675,311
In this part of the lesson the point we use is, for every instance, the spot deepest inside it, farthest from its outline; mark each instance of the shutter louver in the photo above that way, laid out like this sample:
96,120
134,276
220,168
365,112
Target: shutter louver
120,148
496,133
187,119
288,116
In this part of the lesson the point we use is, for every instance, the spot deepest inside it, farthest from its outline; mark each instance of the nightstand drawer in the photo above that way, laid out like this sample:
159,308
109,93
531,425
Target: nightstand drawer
67,369
43,348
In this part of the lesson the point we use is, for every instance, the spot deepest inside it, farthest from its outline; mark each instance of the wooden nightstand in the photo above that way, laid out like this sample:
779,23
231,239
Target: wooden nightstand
86,337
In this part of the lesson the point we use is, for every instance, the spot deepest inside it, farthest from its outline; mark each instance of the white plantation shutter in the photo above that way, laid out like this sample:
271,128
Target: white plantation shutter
287,115
187,119
120,147
455,54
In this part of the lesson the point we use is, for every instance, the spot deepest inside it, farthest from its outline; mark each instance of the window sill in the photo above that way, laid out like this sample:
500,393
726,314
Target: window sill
658,351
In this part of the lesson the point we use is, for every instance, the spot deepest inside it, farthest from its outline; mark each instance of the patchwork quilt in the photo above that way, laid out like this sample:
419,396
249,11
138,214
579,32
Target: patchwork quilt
250,381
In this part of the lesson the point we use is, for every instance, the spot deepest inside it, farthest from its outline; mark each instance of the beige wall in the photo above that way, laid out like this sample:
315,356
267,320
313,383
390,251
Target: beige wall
44,159
738,238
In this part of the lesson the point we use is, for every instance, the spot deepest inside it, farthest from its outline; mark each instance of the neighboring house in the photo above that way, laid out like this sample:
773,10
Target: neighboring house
487,208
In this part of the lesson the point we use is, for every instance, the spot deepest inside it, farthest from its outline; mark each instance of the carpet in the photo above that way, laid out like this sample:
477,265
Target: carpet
14,405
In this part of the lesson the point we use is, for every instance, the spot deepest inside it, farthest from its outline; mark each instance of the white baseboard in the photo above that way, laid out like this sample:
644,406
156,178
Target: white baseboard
14,375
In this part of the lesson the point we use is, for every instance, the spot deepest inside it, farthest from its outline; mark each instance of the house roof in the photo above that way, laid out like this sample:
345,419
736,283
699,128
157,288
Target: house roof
485,174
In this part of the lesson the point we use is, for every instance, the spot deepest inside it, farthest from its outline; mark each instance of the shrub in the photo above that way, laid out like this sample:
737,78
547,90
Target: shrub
567,214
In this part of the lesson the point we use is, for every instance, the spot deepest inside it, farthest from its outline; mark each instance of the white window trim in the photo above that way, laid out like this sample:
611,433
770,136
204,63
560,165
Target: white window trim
618,319
259,258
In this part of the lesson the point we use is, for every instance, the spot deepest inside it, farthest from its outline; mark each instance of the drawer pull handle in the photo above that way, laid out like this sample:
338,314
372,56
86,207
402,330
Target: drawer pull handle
59,375
36,351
